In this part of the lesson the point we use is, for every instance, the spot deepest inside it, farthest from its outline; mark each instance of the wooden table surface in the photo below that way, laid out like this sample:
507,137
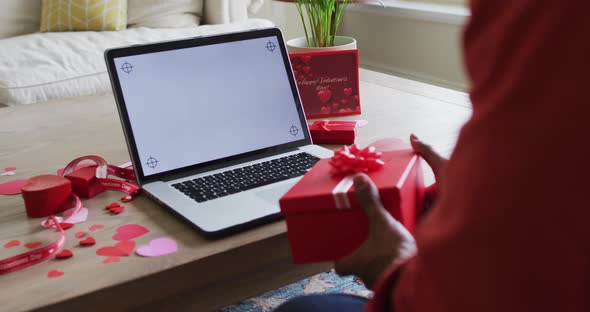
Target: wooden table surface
204,274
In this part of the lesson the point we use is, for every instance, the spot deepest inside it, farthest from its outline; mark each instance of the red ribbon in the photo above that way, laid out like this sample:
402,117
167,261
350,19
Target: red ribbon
26,259
354,160
103,170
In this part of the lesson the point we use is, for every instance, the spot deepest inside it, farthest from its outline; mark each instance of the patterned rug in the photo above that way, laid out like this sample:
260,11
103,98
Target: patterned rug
328,282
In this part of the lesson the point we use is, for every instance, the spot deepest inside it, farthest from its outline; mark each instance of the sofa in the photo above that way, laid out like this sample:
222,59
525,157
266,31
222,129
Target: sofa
38,67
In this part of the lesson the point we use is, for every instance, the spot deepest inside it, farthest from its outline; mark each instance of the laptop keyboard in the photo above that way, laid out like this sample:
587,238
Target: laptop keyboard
241,179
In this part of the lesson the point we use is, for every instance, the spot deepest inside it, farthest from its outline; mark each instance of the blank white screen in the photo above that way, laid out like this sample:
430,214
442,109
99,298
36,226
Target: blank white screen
195,105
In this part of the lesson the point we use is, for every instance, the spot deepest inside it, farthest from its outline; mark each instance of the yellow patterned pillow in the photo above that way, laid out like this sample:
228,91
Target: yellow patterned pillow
97,15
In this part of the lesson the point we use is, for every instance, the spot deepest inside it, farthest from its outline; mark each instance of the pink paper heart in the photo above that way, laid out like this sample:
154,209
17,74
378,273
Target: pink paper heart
158,247
79,217
129,231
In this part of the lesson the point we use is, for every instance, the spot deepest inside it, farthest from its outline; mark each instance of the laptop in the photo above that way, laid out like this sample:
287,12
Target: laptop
214,126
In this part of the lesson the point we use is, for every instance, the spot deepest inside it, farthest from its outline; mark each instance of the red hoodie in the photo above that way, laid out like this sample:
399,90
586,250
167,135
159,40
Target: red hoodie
511,227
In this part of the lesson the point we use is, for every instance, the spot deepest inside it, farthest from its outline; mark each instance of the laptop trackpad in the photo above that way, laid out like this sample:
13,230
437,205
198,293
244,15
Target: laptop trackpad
273,194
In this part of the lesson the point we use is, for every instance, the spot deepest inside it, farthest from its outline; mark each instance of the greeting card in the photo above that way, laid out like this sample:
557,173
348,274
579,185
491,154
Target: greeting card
328,82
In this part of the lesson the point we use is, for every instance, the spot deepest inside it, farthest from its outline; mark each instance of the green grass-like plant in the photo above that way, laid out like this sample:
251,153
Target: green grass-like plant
323,20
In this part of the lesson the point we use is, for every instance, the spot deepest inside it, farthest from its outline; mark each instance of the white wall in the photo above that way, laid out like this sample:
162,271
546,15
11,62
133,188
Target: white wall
424,47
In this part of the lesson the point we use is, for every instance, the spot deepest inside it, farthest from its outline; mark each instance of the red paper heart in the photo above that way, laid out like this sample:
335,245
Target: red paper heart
89,241
130,231
65,225
54,273
324,95
111,205
126,198
348,91
12,187
96,227
80,234
12,243
121,249
111,259
32,245
117,210
335,105
64,254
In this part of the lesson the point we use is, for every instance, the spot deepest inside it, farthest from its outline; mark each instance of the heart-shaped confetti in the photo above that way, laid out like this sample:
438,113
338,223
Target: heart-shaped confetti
112,259
306,59
32,245
158,247
121,249
116,210
130,231
80,234
79,217
111,205
66,225
126,198
12,243
89,241
306,69
54,273
64,254
12,187
96,227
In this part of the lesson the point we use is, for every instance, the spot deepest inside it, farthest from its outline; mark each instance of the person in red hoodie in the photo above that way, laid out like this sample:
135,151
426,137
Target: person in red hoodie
510,227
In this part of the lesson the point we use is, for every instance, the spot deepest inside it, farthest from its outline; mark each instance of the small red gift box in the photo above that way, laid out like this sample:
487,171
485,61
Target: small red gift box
333,132
84,182
324,219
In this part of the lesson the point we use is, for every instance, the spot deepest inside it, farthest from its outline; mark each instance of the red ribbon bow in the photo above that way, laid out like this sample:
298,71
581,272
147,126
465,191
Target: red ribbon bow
354,160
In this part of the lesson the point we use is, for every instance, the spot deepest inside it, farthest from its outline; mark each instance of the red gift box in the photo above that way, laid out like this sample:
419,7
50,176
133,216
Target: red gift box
45,195
324,219
333,132
328,82
84,182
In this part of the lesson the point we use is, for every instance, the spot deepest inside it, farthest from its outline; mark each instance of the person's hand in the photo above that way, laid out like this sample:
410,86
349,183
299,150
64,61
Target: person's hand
388,240
434,160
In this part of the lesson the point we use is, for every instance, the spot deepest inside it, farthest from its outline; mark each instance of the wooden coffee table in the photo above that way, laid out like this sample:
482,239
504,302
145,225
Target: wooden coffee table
204,274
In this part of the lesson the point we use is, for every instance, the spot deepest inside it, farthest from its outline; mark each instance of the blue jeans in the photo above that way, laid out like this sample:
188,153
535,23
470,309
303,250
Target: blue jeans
324,303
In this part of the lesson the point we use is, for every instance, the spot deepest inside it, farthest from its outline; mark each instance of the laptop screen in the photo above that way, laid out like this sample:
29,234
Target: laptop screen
195,105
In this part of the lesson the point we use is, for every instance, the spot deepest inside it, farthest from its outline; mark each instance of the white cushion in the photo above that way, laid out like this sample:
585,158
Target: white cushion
19,17
41,67
164,13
